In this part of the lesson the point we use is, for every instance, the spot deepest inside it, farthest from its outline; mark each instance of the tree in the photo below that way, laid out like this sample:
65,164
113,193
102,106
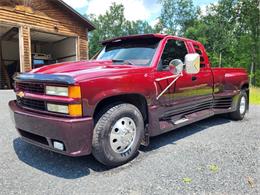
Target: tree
138,27
114,24
176,16
216,30
248,17
107,26
230,28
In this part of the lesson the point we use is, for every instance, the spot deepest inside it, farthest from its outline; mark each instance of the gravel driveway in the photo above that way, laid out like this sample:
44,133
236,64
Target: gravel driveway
215,156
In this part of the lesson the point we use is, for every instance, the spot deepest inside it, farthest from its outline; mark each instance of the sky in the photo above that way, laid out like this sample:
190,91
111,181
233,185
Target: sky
148,10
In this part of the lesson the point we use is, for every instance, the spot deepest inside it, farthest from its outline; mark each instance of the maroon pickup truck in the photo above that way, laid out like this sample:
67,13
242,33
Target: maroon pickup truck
137,87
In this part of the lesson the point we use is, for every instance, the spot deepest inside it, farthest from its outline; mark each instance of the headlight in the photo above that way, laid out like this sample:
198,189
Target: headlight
71,91
58,108
58,91
71,109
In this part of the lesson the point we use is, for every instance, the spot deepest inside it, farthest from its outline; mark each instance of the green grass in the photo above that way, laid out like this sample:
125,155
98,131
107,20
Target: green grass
255,96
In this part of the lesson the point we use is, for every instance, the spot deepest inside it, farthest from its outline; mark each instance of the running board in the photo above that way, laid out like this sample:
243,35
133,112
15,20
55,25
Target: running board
182,120
171,124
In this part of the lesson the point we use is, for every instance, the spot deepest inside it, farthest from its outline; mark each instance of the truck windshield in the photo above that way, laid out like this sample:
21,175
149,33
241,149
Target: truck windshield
138,52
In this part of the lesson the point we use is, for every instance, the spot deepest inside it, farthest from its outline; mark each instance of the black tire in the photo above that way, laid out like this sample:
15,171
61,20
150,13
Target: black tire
101,147
237,115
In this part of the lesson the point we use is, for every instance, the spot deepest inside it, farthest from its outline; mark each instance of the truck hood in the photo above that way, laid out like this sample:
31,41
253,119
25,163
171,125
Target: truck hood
84,70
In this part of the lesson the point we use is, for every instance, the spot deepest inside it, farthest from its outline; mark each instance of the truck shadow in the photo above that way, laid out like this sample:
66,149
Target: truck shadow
55,164
72,168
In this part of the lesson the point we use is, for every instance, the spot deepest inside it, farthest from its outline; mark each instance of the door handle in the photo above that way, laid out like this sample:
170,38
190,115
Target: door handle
193,78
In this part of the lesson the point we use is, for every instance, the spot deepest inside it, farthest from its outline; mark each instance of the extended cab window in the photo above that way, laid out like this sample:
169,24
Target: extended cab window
137,51
173,50
199,51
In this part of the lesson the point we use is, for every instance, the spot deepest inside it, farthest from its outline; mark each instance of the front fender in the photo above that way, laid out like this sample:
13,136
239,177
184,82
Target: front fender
98,89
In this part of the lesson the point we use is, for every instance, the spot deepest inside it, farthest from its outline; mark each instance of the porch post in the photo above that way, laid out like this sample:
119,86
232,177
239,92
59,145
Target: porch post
25,49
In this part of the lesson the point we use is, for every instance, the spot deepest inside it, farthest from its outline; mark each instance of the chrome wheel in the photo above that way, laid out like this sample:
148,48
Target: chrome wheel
123,135
242,107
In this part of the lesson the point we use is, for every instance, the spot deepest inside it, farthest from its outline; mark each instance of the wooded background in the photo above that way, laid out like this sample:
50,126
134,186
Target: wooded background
229,29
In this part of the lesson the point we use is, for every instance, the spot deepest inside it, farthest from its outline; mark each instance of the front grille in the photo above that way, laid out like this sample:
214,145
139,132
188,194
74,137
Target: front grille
29,103
30,87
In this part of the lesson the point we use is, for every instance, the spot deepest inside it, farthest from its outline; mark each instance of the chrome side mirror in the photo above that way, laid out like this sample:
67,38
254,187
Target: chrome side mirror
192,63
176,66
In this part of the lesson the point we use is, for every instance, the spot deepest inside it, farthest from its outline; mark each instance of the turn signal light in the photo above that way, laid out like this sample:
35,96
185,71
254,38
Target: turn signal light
75,110
74,92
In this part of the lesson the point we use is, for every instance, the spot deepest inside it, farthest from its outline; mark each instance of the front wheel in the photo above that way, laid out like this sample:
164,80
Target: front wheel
118,134
241,108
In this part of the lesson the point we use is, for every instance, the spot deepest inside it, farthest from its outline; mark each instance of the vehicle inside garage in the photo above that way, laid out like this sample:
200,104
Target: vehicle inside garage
47,48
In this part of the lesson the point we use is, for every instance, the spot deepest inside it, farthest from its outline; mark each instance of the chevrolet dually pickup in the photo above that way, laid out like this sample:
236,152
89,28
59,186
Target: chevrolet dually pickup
137,87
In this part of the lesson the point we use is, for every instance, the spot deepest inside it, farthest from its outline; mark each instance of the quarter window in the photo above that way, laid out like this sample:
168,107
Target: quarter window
202,58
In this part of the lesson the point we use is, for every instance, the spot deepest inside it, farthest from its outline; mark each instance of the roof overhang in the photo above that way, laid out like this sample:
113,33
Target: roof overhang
90,26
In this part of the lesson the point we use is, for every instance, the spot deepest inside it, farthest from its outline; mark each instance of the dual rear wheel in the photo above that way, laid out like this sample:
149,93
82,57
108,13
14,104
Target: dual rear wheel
241,107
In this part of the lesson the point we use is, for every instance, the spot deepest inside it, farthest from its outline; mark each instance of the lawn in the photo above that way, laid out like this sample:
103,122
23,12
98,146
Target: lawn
255,95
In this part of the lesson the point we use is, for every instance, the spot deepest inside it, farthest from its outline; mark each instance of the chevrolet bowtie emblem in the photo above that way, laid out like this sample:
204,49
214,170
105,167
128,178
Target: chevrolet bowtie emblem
20,94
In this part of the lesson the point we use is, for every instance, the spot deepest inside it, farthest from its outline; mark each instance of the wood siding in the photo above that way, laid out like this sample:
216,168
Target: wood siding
45,16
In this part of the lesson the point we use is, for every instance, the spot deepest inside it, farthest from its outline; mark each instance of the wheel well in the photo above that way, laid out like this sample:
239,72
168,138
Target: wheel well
138,100
245,86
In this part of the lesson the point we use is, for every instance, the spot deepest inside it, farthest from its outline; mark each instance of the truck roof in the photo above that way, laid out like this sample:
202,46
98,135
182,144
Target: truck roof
143,36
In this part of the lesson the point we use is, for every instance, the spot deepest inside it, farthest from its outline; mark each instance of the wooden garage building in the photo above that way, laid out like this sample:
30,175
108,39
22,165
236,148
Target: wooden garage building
34,33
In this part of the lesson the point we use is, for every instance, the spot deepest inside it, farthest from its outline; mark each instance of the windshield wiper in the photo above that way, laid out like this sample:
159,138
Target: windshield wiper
123,61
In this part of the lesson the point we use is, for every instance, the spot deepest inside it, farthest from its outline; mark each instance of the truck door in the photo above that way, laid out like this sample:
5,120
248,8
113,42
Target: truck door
173,49
190,93
195,92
